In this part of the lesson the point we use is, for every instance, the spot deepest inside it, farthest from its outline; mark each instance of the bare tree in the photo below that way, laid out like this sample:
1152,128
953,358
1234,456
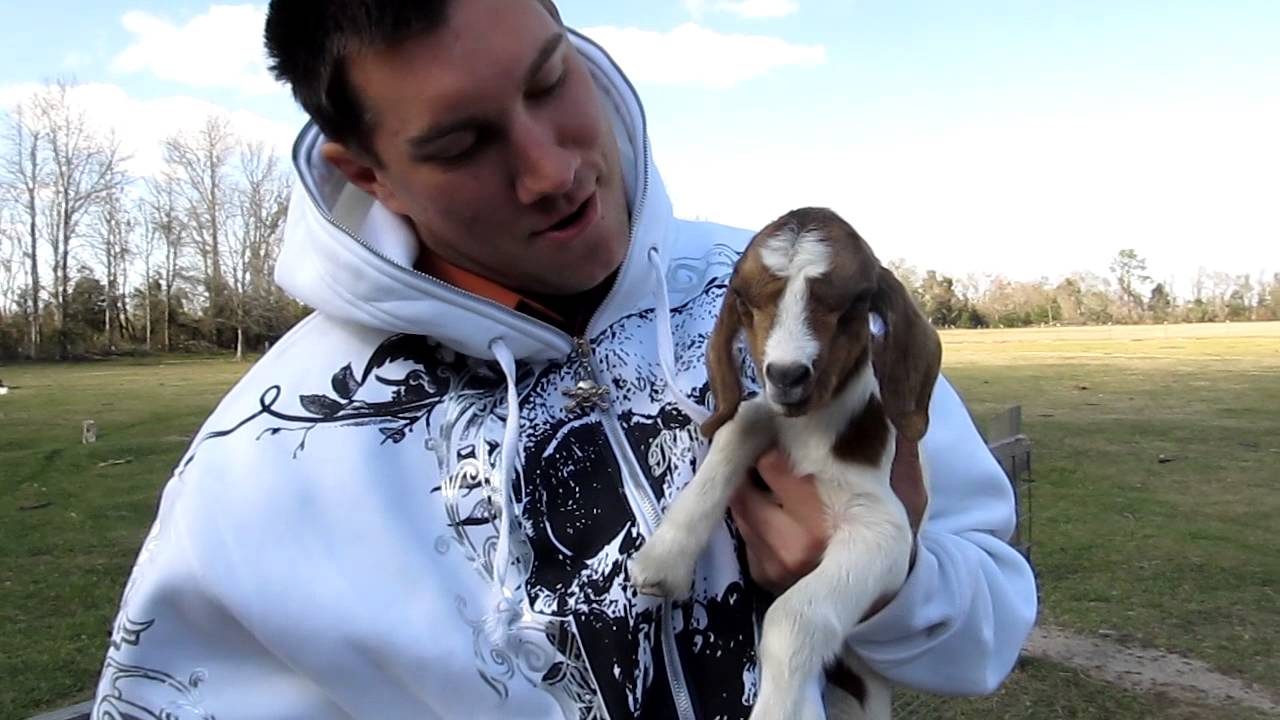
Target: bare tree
1069,296
1273,296
23,172
1220,286
1262,299
260,205
1241,298
166,223
1130,270
149,243
908,275
1198,284
11,269
111,231
83,168
200,164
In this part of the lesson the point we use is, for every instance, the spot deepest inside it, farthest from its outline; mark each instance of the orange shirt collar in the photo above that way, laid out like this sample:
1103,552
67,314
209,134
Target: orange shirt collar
463,279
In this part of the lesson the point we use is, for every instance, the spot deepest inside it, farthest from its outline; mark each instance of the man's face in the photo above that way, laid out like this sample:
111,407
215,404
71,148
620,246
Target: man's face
494,143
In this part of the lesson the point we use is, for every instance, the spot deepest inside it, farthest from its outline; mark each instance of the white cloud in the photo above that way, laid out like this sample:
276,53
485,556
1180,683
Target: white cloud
142,125
744,8
694,55
11,95
220,49
1185,186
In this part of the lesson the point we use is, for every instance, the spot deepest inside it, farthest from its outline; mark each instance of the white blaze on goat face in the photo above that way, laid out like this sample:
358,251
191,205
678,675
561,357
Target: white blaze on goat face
797,257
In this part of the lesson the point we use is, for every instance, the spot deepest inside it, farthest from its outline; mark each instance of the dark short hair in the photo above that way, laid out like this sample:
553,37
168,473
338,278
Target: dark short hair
309,41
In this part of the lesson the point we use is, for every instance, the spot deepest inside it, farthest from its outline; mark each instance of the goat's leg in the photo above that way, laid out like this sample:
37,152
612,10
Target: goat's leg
805,628
665,564
877,703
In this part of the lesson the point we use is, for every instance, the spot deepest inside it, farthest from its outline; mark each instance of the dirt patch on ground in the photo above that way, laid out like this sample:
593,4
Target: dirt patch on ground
1146,670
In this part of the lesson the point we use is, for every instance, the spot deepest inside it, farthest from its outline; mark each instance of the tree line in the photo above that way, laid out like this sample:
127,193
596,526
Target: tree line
94,260
1128,295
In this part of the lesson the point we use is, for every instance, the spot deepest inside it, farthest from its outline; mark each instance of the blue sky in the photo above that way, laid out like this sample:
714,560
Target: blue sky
1012,136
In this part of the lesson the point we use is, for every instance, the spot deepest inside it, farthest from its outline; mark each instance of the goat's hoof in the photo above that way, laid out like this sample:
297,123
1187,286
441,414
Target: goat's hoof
654,572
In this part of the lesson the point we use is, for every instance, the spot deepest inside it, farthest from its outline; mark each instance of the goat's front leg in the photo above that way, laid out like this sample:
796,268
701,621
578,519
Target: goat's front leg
805,628
664,566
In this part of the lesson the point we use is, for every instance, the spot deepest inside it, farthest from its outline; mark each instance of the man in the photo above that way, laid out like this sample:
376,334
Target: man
420,504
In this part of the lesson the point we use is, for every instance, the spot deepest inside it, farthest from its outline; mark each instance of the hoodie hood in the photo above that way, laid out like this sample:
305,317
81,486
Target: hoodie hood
352,260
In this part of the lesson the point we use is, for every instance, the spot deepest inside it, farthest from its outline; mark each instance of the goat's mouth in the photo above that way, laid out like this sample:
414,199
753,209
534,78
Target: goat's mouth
791,402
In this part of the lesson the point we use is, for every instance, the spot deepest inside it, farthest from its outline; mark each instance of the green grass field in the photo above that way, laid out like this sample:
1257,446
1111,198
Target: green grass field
1178,556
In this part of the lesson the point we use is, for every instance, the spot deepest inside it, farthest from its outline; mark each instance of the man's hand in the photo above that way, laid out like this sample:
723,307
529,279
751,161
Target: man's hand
786,529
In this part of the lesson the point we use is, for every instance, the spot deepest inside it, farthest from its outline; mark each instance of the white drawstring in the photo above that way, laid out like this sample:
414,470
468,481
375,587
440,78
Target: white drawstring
505,610
666,345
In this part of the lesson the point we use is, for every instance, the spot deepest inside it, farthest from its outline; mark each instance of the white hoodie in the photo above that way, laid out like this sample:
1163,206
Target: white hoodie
399,513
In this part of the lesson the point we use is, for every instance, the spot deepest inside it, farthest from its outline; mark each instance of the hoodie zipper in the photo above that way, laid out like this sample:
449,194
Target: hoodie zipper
640,492
633,478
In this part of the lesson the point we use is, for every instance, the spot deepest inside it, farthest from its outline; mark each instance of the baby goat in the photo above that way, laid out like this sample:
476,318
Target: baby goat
834,398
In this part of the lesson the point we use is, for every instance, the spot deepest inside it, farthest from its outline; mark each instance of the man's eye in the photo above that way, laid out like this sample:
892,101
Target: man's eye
451,149
548,88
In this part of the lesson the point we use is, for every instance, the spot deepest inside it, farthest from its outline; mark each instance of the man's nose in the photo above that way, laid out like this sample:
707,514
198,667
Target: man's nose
543,167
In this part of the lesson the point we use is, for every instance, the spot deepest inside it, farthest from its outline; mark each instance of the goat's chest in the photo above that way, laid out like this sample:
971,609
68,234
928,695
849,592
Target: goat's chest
811,452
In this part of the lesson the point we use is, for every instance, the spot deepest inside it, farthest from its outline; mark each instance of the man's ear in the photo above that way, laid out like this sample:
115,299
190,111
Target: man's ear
361,172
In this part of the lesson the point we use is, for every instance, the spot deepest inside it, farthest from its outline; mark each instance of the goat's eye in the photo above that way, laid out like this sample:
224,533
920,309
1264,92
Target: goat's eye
861,301
833,304
739,300
857,305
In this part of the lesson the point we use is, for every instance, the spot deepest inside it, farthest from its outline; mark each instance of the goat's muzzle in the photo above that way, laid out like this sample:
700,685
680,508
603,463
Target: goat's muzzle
789,386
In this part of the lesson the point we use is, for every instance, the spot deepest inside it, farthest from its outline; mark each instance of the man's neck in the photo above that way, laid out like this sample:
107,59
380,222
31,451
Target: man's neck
570,313
577,309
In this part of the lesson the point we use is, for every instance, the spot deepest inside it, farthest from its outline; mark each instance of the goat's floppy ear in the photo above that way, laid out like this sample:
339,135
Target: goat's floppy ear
723,364
906,359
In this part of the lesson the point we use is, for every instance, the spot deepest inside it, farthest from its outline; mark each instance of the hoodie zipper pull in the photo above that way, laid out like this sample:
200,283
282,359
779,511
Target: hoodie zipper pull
586,393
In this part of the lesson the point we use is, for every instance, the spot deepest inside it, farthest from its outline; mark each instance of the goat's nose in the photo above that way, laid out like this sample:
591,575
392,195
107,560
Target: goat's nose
788,376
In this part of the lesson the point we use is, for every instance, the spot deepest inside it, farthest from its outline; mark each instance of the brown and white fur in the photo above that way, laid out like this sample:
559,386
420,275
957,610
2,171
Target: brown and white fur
834,399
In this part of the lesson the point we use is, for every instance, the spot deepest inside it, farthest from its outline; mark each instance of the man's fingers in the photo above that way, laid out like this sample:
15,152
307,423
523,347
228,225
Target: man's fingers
797,493
773,463
762,563
782,545
761,512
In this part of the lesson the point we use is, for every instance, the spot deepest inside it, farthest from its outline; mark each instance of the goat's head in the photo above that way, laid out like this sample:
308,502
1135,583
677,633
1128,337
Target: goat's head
802,292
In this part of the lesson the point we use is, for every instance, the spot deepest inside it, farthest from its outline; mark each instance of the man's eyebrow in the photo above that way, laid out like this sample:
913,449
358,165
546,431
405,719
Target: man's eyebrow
548,49
431,134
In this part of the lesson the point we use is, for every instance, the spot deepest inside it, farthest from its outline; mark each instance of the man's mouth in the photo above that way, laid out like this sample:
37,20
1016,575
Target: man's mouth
577,220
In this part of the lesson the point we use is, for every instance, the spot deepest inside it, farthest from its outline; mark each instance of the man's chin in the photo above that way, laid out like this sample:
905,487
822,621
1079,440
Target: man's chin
574,277
571,270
